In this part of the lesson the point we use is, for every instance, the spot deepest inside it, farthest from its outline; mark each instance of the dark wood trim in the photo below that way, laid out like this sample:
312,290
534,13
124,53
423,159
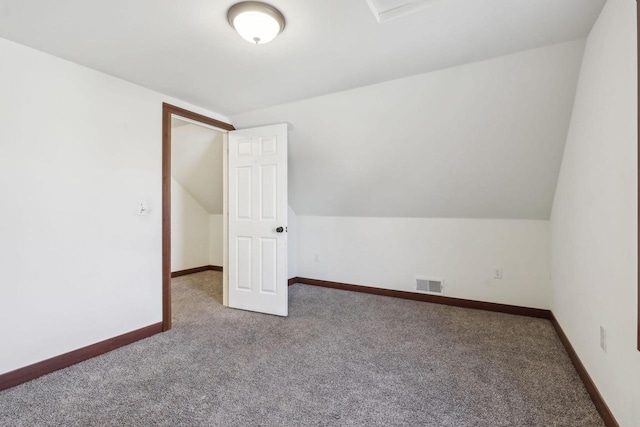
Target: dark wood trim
195,270
196,117
292,281
166,217
31,372
167,111
601,406
436,299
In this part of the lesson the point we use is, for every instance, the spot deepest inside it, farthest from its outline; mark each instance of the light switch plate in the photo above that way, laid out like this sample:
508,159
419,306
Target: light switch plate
143,208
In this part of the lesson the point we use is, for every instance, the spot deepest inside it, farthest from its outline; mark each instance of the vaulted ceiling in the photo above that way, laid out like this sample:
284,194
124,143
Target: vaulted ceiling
196,163
187,49
482,140
421,108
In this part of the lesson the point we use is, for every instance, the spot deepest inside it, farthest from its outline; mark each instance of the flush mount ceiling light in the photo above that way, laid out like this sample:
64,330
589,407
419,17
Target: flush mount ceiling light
255,21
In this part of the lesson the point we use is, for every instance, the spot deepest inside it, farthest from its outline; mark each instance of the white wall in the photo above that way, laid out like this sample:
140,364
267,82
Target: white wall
390,252
292,242
216,245
190,230
196,168
481,140
593,224
78,149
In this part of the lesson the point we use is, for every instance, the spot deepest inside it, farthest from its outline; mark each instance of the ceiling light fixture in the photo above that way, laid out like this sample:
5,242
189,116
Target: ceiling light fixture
255,21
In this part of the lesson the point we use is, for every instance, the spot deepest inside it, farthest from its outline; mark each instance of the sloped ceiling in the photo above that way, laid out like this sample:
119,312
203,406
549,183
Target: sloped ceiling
483,140
443,139
187,49
196,163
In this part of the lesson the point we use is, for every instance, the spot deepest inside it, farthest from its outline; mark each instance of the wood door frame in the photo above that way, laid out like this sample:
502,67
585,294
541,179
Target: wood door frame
168,111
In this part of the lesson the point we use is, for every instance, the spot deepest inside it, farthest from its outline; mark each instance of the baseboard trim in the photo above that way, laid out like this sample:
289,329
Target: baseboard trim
436,299
195,270
31,372
601,405
596,397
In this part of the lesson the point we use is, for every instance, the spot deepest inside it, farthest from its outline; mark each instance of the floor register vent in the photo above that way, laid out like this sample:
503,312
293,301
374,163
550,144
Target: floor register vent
432,286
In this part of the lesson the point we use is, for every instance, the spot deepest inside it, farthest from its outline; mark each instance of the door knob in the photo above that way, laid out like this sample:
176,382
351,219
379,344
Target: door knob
279,230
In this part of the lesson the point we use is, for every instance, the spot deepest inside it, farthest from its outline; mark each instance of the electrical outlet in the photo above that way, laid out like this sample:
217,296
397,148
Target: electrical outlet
603,339
497,273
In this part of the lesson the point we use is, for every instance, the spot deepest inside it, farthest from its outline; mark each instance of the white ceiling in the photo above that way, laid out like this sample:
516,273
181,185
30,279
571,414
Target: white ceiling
186,49
177,123
196,163
483,140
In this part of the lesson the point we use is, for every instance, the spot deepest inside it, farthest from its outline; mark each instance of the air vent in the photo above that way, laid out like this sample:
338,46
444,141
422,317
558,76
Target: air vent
386,10
431,286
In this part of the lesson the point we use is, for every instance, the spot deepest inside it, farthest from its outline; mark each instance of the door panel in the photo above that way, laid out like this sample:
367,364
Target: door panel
257,208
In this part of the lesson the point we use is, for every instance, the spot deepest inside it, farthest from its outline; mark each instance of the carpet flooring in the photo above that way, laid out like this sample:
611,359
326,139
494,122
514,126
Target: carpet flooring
340,359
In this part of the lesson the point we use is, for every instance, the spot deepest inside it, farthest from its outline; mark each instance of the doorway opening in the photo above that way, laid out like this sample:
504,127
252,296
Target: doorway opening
193,152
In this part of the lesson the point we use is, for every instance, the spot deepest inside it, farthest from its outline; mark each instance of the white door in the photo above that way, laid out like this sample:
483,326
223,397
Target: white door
258,219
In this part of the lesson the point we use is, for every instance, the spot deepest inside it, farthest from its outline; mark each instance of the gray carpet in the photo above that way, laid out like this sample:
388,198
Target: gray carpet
340,358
